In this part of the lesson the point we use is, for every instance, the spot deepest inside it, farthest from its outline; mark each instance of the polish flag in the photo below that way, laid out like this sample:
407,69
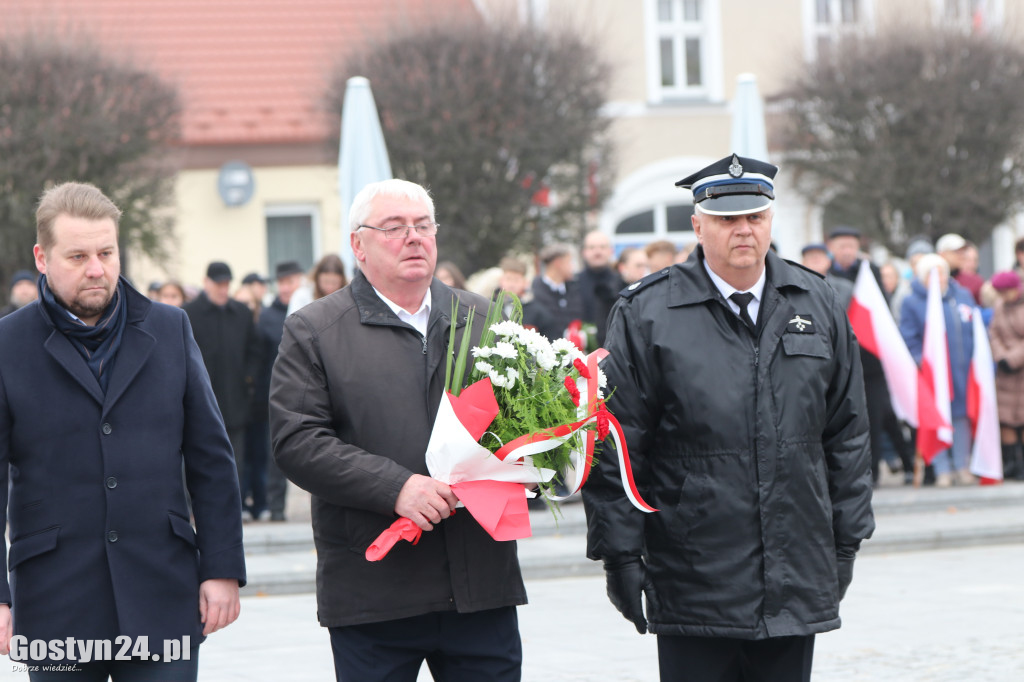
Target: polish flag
877,333
935,420
986,453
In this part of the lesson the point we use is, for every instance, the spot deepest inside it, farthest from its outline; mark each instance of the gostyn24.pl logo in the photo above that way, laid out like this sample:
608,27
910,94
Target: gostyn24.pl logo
84,650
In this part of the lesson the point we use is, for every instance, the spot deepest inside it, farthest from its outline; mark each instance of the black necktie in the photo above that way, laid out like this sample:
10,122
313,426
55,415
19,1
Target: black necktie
742,300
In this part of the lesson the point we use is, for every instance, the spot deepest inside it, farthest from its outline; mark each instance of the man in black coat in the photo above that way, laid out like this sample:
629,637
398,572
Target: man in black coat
289,276
103,400
599,282
226,334
555,290
738,385
355,390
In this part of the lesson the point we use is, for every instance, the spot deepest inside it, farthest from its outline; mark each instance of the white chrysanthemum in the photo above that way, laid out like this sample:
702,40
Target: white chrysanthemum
602,380
483,368
546,359
497,379
506,328
563,346
482,352
505,350
511,374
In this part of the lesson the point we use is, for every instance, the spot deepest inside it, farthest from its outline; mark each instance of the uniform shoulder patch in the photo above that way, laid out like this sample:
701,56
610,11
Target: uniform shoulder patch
642,284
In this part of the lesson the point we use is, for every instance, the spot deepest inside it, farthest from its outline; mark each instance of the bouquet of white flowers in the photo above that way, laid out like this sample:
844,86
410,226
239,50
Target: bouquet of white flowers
531,413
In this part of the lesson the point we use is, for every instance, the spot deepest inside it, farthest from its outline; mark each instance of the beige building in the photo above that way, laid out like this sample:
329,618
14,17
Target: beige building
258,183
672,99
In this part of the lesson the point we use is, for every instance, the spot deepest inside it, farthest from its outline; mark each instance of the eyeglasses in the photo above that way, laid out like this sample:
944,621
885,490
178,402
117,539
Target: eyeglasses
402,231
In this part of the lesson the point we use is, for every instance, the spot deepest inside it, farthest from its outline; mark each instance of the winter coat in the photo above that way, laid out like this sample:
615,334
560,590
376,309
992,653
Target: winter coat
560,309
101,543
353,398
1007,336
232,351
599,289
957,306
754,449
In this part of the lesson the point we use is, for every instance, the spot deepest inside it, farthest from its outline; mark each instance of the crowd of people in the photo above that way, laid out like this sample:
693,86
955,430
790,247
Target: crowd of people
560,293
755,426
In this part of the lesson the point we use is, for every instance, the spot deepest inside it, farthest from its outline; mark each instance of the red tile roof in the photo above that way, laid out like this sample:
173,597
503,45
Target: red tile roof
248,71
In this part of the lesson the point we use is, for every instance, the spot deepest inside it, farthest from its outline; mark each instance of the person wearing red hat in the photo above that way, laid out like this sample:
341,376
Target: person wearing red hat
1007,336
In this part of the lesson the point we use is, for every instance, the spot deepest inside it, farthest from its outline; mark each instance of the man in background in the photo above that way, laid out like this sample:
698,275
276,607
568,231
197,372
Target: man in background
226,334
23,292
289,277
598,281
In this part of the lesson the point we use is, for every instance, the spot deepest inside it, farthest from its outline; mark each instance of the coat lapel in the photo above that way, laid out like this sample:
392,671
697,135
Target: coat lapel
58,346
136,347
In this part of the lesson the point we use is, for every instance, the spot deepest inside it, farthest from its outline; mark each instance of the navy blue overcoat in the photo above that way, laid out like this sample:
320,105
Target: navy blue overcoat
100,539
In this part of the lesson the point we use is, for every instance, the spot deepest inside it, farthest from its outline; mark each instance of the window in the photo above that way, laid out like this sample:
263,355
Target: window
970,15
682,34
290,235
828,21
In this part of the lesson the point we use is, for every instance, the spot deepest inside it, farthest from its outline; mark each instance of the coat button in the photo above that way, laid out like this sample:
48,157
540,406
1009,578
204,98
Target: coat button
111,482
112,536
106,429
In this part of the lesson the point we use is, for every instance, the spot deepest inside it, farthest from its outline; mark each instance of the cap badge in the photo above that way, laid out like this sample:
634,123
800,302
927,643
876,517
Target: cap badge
735,168
799,324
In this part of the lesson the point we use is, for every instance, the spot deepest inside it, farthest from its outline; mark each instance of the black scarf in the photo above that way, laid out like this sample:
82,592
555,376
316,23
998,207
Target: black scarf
98,345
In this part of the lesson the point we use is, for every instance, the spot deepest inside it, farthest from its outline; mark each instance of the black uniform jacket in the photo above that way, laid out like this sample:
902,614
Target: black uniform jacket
754,448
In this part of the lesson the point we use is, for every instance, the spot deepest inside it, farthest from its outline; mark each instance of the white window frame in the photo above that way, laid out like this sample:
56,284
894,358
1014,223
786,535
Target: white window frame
708,30
836,28
297,209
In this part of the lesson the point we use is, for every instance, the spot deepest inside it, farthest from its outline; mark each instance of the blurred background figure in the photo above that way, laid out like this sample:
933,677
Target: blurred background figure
1007,335
251,292
816,257
660,255
152,290
172,293
598,281
513,281
225,332
958,253
890,278
23,291
265,476
915,249
632,265
449,273
328,276
957,307
555,290
1018,252
684,252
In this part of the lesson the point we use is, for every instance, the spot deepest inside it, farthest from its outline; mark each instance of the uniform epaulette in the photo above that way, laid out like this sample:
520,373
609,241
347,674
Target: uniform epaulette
804,267
641,284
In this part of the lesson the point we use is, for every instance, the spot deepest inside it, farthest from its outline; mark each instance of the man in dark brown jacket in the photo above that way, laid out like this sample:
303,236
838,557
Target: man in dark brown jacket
353,397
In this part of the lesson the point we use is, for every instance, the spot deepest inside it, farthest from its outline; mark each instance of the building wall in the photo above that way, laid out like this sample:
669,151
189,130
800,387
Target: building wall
206,229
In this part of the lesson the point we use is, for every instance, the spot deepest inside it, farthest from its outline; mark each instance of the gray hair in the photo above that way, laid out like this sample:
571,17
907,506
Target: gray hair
929,262
361,204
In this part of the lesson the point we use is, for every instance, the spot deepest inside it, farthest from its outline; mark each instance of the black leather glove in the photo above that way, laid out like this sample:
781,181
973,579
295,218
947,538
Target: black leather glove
844,569
627,582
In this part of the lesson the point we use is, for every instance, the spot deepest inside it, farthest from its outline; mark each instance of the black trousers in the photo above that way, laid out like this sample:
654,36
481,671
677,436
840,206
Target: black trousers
458,647
720,659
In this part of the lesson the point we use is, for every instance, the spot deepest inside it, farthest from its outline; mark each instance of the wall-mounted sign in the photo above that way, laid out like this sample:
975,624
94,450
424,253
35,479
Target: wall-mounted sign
235,183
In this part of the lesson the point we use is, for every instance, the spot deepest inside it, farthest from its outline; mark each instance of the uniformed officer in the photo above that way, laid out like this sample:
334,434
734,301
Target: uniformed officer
739,387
